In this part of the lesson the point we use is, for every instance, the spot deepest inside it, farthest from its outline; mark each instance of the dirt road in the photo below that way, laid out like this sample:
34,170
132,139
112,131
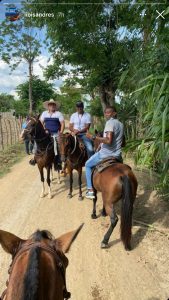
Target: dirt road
93,274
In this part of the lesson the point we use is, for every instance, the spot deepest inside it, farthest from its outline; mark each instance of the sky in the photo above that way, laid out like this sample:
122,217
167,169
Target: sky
10,80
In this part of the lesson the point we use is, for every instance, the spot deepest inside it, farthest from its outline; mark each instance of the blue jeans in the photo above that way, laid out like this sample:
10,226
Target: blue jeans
28,146
88,144
91,162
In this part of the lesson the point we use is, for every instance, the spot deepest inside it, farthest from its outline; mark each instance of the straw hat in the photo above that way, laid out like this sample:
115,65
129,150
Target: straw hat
51,101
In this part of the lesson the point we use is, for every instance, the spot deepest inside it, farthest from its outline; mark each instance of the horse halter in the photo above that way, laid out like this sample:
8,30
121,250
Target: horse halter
49,249
34,135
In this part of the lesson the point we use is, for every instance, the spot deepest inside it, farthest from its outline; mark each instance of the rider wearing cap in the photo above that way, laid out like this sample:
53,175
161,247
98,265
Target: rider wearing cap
80,122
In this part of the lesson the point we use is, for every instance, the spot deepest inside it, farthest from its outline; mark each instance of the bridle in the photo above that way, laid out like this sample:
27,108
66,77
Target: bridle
50,249
70,152
49,146
34,136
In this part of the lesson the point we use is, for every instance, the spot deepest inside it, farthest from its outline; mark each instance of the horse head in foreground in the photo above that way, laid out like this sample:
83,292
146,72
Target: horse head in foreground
38,268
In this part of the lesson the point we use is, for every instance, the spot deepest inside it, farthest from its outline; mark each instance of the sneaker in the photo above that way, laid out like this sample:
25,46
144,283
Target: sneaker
90,195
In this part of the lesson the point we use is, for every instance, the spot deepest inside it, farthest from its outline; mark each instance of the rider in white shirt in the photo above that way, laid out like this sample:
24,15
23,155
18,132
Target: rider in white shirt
80,122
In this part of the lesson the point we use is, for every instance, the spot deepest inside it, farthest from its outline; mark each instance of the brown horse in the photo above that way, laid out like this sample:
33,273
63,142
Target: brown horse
44,156
74,153
116,182
38,268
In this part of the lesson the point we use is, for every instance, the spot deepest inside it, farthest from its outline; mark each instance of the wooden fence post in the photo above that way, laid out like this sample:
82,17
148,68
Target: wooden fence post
1,133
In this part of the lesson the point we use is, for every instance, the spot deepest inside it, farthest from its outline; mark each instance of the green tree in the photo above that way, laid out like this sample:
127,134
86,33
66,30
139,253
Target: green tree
41,91
21,107
89,37
145,85
69,96
6,102
19,42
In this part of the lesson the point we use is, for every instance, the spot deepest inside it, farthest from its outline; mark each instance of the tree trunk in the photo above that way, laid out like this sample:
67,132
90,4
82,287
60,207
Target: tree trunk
30,88
107,95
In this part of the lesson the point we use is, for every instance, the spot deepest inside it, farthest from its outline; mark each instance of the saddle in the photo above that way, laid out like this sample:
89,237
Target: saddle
105,163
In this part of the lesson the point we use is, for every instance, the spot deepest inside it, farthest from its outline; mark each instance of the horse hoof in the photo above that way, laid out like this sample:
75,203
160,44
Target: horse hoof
49,196
42,195
93,216
104,246
128,248
80,198
103,213
69,196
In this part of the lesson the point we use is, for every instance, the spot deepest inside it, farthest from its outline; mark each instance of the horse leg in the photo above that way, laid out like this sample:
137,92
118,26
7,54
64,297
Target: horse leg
93,215
71,183
48,182
52,177
103,212
80,183
42,180
114,220
58,177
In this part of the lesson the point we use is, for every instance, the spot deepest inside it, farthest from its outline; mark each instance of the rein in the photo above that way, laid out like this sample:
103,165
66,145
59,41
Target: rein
75,138
81,156
49,249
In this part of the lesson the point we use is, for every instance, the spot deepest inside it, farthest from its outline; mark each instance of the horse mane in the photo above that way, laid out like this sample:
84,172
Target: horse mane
31,279
39,235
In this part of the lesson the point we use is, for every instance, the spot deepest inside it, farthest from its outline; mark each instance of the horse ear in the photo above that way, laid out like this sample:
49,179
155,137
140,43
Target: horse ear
9,241
64,242
33,119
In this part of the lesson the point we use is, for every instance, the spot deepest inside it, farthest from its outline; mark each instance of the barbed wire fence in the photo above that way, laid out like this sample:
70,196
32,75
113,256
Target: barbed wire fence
10,129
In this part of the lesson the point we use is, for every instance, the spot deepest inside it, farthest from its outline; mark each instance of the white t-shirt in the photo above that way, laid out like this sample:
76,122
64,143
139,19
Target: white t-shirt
56,114
79,121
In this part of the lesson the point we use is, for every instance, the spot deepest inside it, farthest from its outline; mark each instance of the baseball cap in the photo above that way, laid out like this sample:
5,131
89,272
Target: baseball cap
79,104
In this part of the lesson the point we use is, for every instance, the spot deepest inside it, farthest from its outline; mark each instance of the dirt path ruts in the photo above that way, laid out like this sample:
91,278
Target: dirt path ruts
93,274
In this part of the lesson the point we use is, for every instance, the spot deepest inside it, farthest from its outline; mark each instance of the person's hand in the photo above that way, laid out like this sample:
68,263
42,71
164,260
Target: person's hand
76,131
88,135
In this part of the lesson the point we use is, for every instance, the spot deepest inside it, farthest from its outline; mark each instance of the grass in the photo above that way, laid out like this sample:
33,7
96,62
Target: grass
10,156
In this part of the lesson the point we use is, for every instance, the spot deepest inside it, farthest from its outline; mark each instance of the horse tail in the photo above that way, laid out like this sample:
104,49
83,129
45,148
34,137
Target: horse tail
126,211
31,279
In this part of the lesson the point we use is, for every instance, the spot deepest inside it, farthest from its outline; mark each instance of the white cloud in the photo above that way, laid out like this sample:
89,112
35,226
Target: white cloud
10,80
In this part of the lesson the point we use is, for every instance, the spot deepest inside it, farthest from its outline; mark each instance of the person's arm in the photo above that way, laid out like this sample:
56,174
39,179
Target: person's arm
87,124
42,119
71,125
105,140
62,123
85,129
